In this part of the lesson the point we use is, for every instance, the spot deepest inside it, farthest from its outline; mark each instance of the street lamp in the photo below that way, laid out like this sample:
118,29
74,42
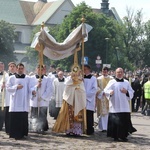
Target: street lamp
117,56
106,47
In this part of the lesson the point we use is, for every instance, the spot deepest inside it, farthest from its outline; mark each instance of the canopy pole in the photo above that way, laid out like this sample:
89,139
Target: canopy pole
83,20
3,91
84,111
40,67
41,55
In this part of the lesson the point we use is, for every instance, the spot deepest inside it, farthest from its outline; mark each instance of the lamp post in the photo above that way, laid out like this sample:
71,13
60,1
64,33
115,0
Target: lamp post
98,61
106,47
116,48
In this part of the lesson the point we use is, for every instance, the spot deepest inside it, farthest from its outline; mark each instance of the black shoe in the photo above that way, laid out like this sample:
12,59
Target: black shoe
21,138
90,133
123,140
116,139
143,113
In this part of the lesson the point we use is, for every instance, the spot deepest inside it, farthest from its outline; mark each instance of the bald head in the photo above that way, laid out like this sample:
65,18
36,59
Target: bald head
119,73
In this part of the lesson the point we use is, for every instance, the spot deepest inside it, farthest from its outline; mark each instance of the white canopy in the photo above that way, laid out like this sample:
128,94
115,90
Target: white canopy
57,51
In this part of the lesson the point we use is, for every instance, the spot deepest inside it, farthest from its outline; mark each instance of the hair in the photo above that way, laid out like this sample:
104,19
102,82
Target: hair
60,72
38,66
20,64
58,68
106,68
10,63
87,66
53,66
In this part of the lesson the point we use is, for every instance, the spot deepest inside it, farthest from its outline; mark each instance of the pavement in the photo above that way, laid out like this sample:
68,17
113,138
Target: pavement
139,140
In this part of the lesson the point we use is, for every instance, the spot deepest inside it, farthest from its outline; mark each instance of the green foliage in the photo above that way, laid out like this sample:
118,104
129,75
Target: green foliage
103,27
131,37
7,36
133,34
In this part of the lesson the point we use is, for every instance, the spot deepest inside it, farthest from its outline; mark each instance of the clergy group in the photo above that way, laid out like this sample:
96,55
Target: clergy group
71,99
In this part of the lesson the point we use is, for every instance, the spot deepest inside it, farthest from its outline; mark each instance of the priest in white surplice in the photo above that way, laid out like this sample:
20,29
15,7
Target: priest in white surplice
2,81
119,92
90,84
41,93
58,89
18,86
102,102
11,71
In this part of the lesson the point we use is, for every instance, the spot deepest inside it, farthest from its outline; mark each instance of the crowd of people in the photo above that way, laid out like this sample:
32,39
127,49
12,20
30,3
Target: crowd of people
71,99
137,80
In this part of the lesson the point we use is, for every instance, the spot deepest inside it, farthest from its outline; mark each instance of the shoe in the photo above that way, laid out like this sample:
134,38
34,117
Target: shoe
116,139
22,138
143,113
41,131
104,130
72,135
123,140
91,133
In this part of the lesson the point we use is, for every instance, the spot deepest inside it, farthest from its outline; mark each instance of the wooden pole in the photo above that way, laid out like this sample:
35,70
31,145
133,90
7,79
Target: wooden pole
3,92
83,20
84,111
40,66
41,55
130,102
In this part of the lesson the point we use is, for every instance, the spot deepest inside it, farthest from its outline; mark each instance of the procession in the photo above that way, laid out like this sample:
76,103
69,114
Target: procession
54,95
28,105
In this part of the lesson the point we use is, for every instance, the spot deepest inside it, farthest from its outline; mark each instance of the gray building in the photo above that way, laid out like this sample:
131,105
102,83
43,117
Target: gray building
25,15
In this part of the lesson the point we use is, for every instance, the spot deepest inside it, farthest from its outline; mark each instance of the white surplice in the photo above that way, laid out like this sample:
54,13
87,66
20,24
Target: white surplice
91,89
43,94
58,91
118,102
19,98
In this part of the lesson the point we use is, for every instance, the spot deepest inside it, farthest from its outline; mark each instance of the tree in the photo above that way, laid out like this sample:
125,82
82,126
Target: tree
133,36
7,37
146,53
103,27
125,36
